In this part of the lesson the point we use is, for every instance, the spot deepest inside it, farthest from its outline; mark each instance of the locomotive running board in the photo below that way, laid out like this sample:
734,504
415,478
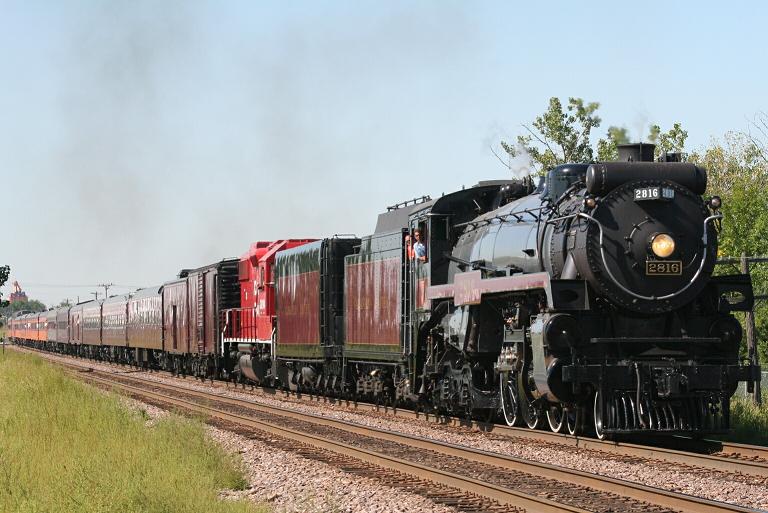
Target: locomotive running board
469,288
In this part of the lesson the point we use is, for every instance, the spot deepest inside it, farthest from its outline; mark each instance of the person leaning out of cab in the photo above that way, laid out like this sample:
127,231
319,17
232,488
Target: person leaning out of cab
419,251
408,247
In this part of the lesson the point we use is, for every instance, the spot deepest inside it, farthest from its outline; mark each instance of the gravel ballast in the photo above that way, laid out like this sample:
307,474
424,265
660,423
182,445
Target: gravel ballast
293,484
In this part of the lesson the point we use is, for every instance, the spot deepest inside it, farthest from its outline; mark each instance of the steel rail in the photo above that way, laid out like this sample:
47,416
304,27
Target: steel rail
635,491
730,457
710,454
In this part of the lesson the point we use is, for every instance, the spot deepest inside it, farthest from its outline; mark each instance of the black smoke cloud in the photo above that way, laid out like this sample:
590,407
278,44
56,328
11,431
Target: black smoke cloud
180,145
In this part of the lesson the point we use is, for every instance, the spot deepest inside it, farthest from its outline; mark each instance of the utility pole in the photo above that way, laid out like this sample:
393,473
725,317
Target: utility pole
96,295
106,288
751,339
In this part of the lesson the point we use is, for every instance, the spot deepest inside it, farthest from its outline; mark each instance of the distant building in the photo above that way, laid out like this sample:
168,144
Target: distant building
17,294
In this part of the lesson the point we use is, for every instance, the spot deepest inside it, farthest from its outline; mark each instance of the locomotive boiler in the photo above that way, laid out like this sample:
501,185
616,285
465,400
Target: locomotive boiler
592,295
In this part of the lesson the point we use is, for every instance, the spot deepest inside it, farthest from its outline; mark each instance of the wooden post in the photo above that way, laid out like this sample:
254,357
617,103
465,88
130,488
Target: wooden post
751,340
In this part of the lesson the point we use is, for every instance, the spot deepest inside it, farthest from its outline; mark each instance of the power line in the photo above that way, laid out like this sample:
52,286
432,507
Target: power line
86,286
106,288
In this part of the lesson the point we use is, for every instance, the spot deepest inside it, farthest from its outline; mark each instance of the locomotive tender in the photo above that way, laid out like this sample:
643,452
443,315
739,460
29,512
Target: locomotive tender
588,295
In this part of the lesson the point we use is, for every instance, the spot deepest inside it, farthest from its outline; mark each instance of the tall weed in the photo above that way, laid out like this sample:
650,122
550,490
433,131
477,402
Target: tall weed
749,421
66,447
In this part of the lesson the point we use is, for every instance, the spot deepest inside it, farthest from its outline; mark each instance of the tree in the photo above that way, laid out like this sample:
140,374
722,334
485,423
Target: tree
738,172
558,136
758,136
563,136
671,141
33,305
607,149
5,271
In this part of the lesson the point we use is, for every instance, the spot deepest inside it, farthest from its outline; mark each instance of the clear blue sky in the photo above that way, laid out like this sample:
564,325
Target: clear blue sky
137,138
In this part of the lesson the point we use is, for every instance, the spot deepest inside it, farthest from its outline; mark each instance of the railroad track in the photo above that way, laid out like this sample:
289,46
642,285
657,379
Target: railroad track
469,479
746,459
711,454
708,454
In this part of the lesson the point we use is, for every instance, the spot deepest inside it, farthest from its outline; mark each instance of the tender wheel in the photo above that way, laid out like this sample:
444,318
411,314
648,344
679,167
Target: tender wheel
556,417
573,417
509,404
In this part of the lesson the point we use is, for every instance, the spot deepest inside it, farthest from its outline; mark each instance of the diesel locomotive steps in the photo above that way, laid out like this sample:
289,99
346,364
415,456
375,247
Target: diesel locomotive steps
589,295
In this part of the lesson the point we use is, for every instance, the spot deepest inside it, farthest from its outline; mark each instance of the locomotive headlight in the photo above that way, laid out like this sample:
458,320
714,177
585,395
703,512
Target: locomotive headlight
663,245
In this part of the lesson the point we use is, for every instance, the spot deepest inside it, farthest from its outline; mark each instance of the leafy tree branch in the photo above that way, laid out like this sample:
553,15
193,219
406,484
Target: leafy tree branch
562,135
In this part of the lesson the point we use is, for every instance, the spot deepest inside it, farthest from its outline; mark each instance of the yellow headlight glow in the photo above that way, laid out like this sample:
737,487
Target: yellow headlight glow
663,245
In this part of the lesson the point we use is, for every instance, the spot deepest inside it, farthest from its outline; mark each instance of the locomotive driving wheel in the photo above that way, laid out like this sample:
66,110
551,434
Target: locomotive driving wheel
530,412
556,415
573,420
510,406
602,407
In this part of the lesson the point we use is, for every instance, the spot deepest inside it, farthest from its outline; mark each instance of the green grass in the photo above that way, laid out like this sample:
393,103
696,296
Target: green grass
65,447
749,421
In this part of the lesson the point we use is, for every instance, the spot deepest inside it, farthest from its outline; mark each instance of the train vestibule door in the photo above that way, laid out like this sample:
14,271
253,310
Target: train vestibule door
174,327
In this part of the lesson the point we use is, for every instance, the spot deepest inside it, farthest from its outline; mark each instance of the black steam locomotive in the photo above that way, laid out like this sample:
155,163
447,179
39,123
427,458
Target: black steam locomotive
592,294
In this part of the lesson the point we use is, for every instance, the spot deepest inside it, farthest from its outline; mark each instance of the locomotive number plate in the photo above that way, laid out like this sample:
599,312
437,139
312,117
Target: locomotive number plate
665,268
654,193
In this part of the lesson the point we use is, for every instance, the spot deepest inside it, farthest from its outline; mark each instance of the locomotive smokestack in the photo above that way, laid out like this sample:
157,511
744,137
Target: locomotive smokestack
636,152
